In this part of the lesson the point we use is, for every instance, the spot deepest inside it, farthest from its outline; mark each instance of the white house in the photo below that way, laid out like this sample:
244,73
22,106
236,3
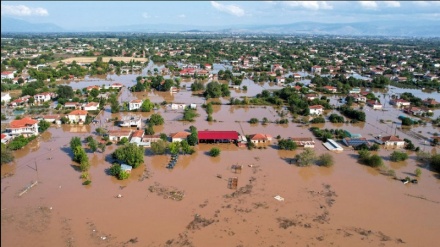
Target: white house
179,136
393,142
43,97
25,126
400,102
117,135
131,121
8,74
316,109
92,106
6,97
77,116
135,104
374,104
316,69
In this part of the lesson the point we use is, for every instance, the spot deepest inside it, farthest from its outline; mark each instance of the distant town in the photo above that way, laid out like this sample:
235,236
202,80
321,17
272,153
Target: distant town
133,98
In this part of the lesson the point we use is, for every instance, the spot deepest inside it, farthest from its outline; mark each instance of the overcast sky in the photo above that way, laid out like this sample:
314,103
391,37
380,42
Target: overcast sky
79,14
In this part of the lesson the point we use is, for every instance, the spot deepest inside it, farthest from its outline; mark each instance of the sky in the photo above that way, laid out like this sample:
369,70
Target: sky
81,14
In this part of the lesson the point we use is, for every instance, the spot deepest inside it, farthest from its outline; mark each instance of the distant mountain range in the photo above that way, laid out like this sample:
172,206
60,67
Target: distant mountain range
373,28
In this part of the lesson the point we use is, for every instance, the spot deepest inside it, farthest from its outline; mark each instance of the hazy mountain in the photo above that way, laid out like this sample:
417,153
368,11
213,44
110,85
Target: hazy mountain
16,25
389,28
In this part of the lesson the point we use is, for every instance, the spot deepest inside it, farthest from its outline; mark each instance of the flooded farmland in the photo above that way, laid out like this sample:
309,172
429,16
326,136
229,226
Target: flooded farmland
348,204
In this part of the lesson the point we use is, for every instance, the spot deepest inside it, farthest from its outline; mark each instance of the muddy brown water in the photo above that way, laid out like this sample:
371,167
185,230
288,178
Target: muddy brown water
347,204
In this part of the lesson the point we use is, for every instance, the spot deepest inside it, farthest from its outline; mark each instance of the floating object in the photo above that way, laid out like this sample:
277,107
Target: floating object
279,198
119,196
414,181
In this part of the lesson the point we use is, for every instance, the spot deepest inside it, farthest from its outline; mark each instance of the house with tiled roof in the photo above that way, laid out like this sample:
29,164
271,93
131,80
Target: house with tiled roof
331,89
44,97
72,105
91,106
376,105
316,109
116,85
400,102
393,141
179,136
5,138
260,138
20,101
117,135
77,116
135,104
25,126
90,88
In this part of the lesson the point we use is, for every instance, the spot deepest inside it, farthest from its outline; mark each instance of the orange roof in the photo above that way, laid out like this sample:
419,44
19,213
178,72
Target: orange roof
259,137
23,122
78,112
138,133
181,134
391,139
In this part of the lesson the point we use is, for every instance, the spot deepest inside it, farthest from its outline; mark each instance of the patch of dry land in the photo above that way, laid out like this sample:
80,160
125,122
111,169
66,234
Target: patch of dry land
104,59
348,204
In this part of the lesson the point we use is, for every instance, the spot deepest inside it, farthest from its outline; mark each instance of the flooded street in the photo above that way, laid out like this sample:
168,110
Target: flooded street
348,204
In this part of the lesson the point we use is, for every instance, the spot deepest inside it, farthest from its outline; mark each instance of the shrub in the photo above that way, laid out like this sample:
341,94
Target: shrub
418,172
398,156
253,120
214,152
306,158
325,160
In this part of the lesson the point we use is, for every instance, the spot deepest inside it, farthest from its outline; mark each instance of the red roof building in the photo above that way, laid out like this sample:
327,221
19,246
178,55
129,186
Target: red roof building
217,136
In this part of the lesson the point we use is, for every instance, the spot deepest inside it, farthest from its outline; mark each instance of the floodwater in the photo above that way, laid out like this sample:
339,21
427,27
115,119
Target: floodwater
347,204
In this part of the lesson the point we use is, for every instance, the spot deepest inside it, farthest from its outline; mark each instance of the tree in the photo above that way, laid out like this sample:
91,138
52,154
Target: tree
102,146
156,119
287,144
79,154
149,130
43,126
146,106
186,148
6,156
65,92
75,142
325,160
306,158
398,156
435,162
84,165
130,153
174,147
115,169
159,147
189,114
213,90
93,145
375,161
94,92
214,152
407,121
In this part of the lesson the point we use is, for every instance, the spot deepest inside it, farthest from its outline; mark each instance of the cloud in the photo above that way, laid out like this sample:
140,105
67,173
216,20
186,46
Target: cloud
182,16
22,10
392,4
368,4
146,15
230,9
311,5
